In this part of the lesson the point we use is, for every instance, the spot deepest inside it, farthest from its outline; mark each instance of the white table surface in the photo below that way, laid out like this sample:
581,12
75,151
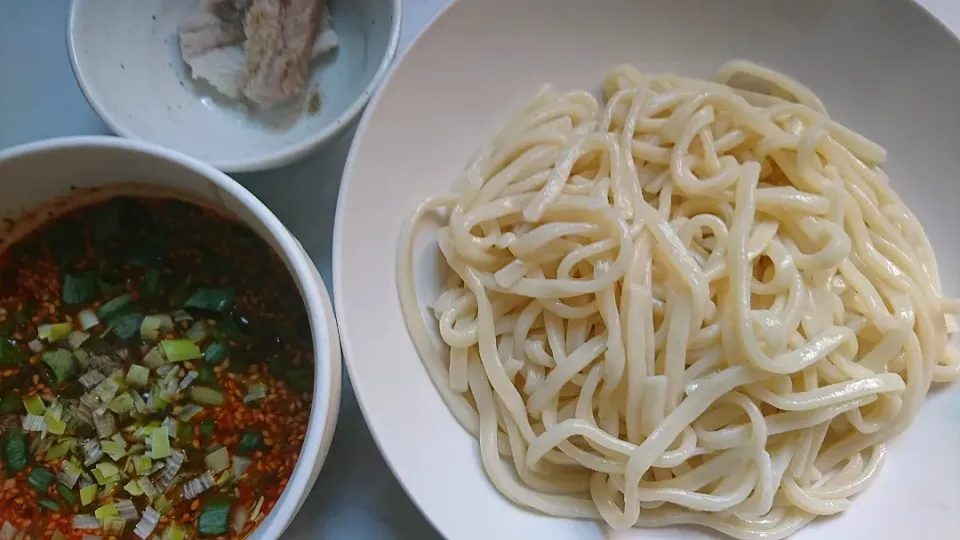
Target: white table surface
356,495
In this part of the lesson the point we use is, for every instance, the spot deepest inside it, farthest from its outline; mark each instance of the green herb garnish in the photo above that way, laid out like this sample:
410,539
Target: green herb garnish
214,517
40,479
79,287
250,442
211,299
15,451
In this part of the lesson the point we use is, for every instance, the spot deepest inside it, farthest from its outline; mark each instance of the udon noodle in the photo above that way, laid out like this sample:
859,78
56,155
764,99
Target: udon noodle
693,303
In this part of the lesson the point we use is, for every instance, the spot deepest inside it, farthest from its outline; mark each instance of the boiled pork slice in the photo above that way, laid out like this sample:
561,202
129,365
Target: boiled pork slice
210,41
281,35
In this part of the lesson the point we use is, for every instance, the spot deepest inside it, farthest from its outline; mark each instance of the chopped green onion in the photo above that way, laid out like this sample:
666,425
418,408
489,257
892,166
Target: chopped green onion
250,442
54,332
86,521
162,504
215,517
106,511
151,283
187,380
88,319
15,452
193,488
188,412
91,452
107,482
138,375
225,477
32,422
66,494
152,325
174,532
148,522
216,352
143,464
256,509
255,392
105,423
118,438
60,363
70,474
108,470
160,443
57,535
48,504
197,332
83,357
206,428
211,299
121,404
218,460
88,494
77,338
54,425
140,405
127,325
133,488
206,396
154,358
110,487
179,350
10,354
60,449
148,488
79,288
127,509
156,403
34,405
113,449
40,479
206,375
108,388
114,306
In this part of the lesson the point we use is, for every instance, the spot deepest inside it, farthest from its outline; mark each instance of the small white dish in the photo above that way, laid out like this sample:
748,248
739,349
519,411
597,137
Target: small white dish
886,69
44,175
126,59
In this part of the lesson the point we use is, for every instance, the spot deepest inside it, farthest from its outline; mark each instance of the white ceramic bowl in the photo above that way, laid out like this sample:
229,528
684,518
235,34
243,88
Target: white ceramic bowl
36,174
886,69
126,58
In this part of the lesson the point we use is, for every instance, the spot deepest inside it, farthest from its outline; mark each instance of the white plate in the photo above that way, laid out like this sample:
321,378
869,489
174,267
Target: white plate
886,69
126,57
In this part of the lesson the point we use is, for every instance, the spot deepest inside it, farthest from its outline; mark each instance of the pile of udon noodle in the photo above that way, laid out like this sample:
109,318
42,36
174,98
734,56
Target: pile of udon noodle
690,304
